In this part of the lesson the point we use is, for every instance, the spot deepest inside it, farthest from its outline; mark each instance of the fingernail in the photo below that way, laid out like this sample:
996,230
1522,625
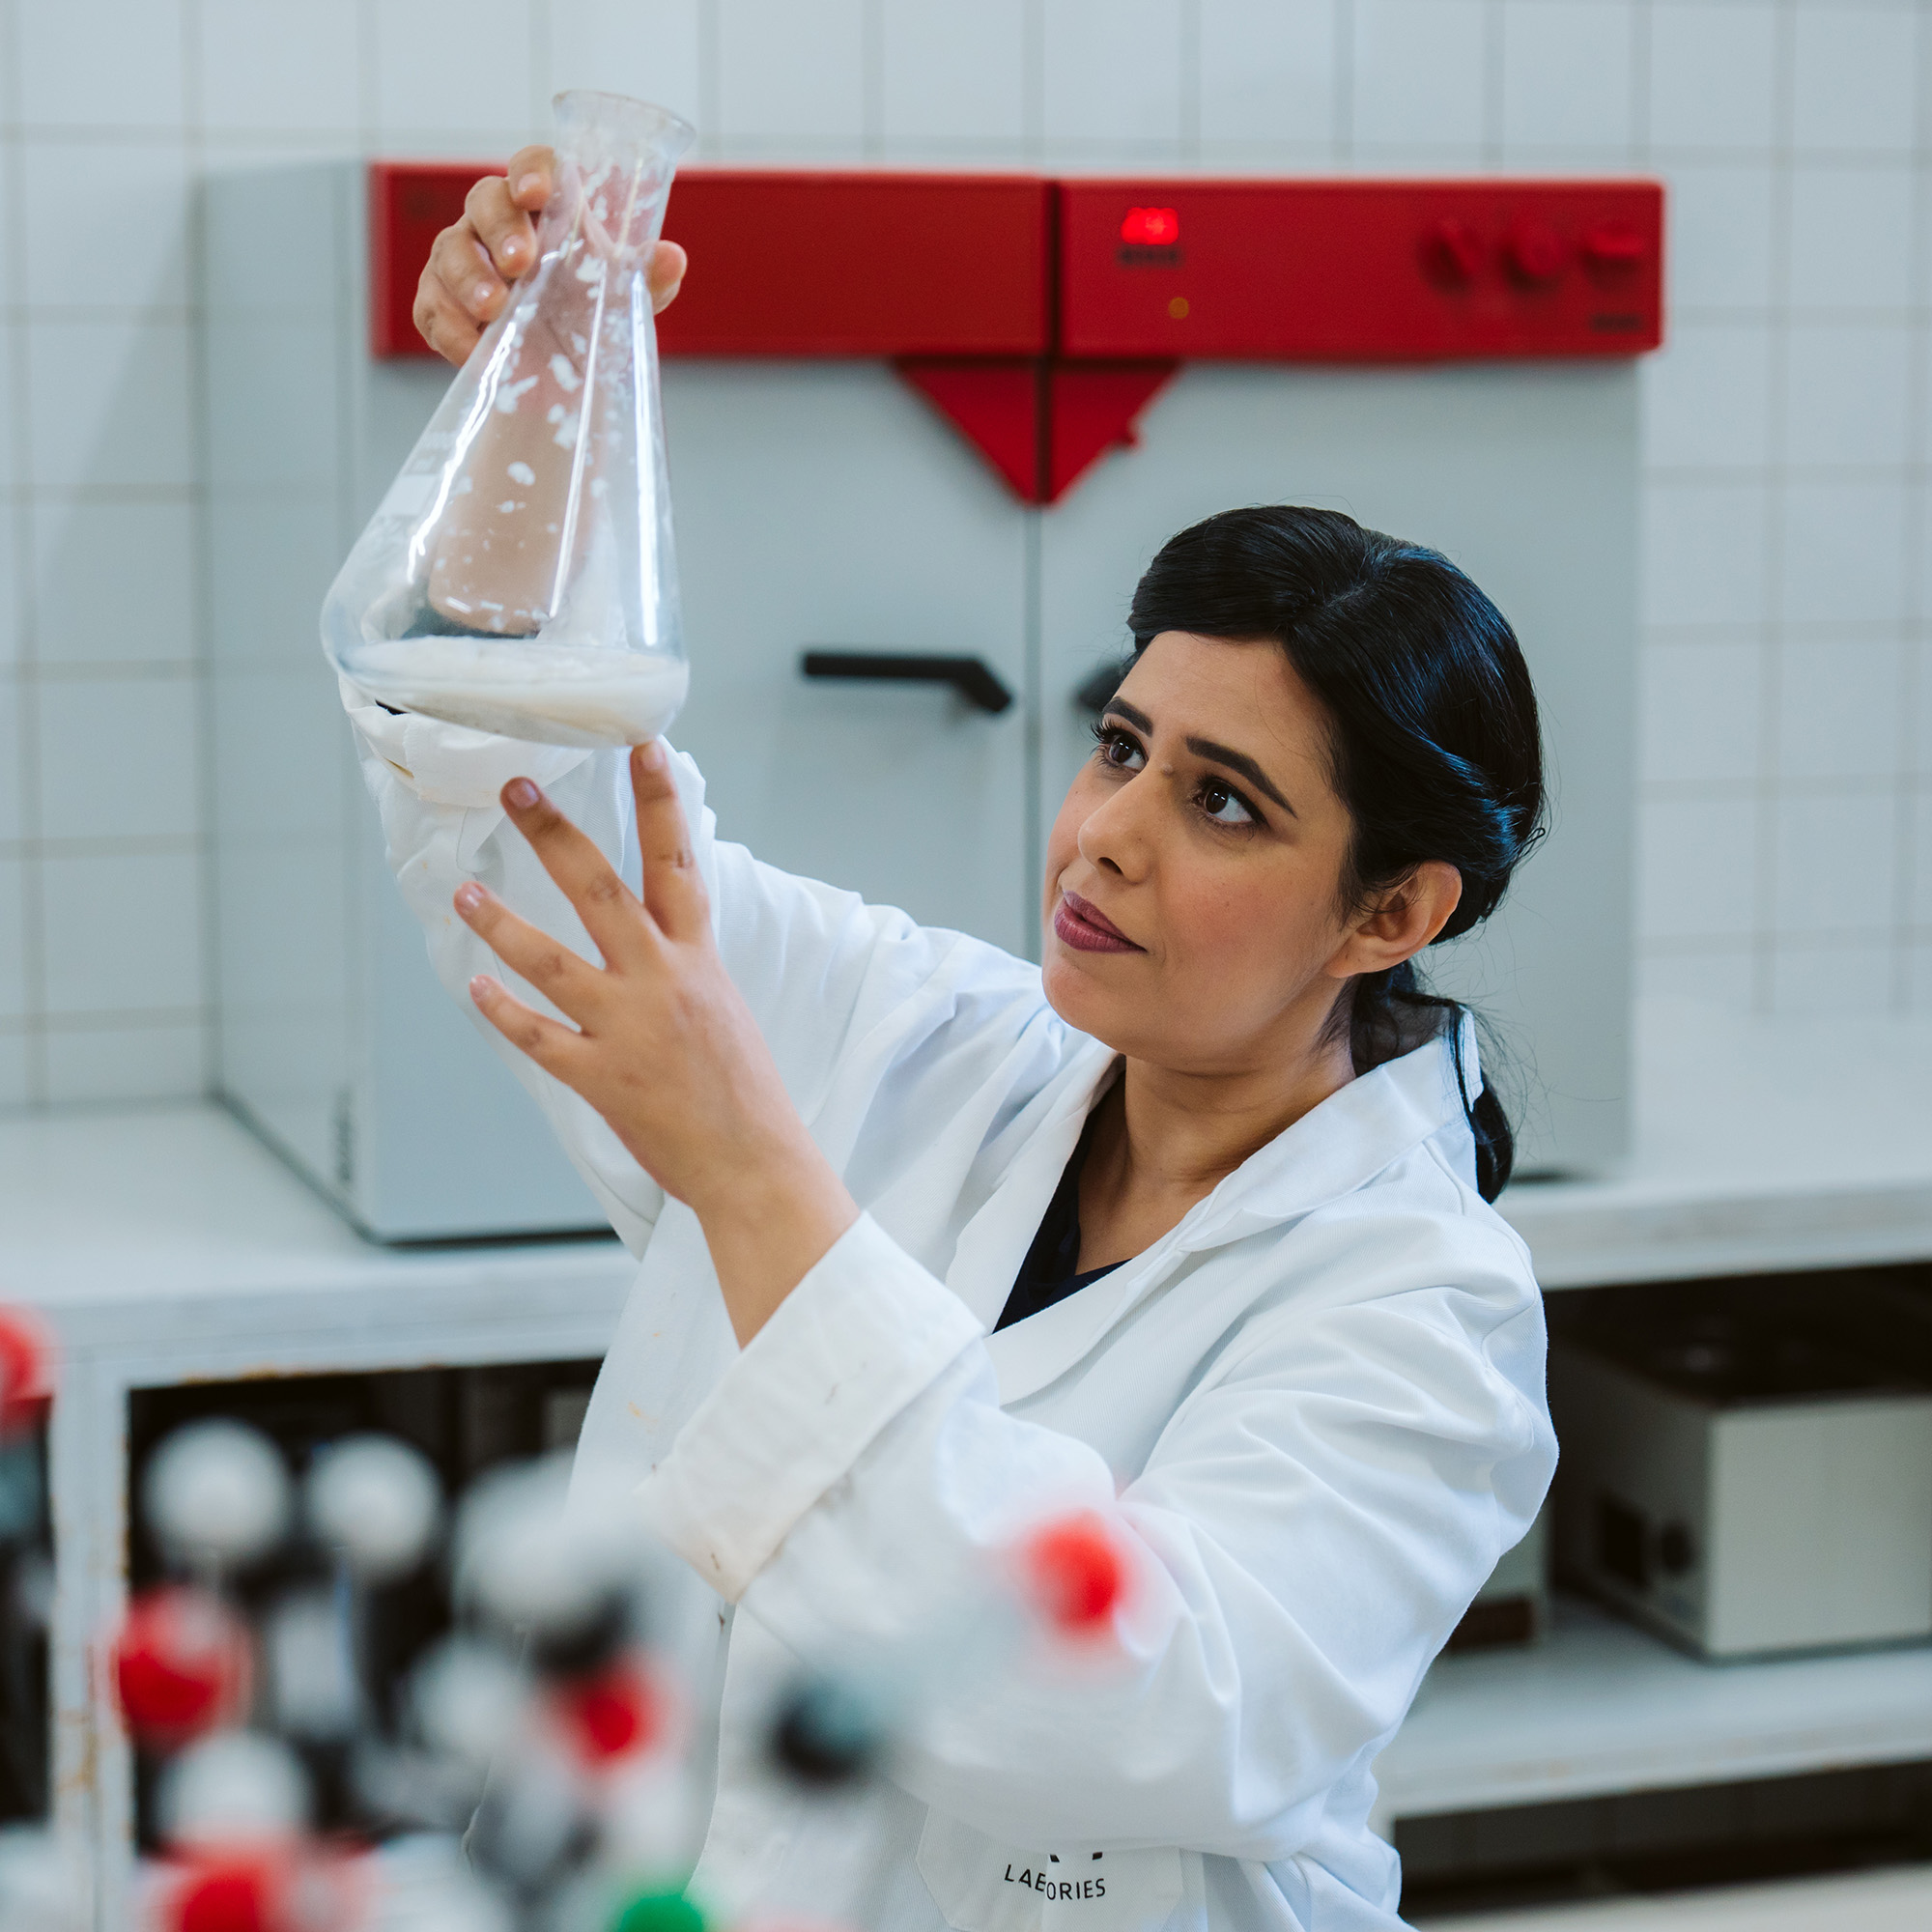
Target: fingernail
521,792
652,756
484,291
468,896
480,990
526,182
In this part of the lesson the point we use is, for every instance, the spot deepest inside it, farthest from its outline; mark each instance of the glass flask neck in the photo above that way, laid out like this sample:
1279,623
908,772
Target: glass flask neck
616,157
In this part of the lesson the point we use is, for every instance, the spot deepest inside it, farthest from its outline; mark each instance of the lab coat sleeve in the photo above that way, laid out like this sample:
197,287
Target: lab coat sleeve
819,967
436,786
1307,1532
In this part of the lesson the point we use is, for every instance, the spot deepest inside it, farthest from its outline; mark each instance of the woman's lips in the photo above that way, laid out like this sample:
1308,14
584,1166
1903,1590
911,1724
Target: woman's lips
1087,928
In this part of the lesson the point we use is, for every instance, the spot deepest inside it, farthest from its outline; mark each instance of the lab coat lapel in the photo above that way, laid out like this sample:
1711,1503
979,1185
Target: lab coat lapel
994,1243
1348,1140
1333,1148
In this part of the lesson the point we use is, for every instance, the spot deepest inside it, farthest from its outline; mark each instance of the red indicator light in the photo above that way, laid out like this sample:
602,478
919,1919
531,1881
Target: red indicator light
1152,227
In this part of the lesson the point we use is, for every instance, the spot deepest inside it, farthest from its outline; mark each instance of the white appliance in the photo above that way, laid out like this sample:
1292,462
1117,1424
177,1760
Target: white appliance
1451,361
1711,1447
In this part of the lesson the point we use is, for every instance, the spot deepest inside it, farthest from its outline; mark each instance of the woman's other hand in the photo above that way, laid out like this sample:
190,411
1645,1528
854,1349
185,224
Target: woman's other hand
472,264
663,1045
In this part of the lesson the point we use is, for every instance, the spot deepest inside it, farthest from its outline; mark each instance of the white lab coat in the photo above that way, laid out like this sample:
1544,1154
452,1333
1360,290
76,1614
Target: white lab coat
1315,1409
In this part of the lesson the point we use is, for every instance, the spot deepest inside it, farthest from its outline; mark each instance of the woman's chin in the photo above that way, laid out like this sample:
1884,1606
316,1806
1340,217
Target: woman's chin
1072,994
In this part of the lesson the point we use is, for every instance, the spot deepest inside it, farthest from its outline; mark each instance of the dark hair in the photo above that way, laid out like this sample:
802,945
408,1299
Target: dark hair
1434,745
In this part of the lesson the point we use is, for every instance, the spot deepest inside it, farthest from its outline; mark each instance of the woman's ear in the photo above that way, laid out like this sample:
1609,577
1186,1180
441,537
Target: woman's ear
1402,921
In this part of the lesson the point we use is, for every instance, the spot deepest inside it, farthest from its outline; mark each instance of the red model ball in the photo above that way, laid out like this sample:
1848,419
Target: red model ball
26,1370
287,1889
612,1715
226,1895
1076,1572
181,1667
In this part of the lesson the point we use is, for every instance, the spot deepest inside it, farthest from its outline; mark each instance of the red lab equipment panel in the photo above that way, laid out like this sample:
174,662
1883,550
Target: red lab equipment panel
791,263
1040,316
860,264
1360,271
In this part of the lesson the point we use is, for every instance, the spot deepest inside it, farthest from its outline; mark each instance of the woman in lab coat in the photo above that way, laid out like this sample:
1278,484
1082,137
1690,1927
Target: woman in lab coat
1187,1228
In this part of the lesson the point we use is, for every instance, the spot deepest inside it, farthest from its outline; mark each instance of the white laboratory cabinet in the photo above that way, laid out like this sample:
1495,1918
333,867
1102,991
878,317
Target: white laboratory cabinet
821,503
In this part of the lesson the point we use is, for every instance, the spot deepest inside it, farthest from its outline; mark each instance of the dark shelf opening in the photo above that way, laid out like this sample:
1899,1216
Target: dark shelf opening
465,1420
1641,1842
26,1588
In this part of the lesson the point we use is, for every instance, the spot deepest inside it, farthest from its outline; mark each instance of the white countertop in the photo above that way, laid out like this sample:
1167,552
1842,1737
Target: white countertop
174,1225
1605,1707
1760,1145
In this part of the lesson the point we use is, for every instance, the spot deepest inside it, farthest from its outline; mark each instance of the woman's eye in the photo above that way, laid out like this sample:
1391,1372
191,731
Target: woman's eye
1120,751
1224,807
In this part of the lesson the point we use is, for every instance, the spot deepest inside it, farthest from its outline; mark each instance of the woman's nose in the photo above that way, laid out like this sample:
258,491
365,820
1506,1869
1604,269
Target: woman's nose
1114,837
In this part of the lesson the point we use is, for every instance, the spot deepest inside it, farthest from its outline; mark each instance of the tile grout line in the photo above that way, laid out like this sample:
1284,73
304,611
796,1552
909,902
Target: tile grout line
710,81
1032,79
1188,78
1910,670
1638,159
19,518
1343,54
872,79
1763,964
1641,24
368,98
1493,85
542,81
26,722
202,561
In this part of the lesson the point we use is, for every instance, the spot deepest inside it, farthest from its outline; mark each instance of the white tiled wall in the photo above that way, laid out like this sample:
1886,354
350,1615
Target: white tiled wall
1786,786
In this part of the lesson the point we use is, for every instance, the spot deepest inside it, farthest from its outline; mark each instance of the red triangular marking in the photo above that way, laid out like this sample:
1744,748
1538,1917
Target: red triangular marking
1094,408
995,405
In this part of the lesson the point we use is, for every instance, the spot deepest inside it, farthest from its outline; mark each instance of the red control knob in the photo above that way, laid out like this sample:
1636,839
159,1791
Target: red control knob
1536,253
1452,251
1615,247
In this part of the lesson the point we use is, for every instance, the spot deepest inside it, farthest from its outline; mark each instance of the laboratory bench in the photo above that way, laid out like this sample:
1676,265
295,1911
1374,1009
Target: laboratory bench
169,1248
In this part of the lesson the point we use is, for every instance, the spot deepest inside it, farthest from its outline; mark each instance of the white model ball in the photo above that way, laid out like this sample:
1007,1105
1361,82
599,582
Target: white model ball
469,1699
378,1501
233,1788
528,1560
216,1492
424,1882
308,1643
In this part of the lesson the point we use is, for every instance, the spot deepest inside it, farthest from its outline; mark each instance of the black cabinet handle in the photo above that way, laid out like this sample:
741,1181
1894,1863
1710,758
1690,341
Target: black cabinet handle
972,678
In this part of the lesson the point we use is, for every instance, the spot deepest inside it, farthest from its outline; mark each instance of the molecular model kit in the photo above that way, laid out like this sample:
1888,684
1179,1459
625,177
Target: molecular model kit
535,1766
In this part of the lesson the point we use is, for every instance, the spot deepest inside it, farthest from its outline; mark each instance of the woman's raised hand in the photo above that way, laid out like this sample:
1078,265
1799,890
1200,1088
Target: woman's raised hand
472,264
661,1043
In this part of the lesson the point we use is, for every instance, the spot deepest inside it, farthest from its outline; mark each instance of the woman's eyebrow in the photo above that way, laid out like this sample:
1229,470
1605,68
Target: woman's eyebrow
1206,747
1239,761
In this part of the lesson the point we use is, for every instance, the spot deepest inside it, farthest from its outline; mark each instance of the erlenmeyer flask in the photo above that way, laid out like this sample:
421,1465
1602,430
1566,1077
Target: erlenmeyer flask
519,575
